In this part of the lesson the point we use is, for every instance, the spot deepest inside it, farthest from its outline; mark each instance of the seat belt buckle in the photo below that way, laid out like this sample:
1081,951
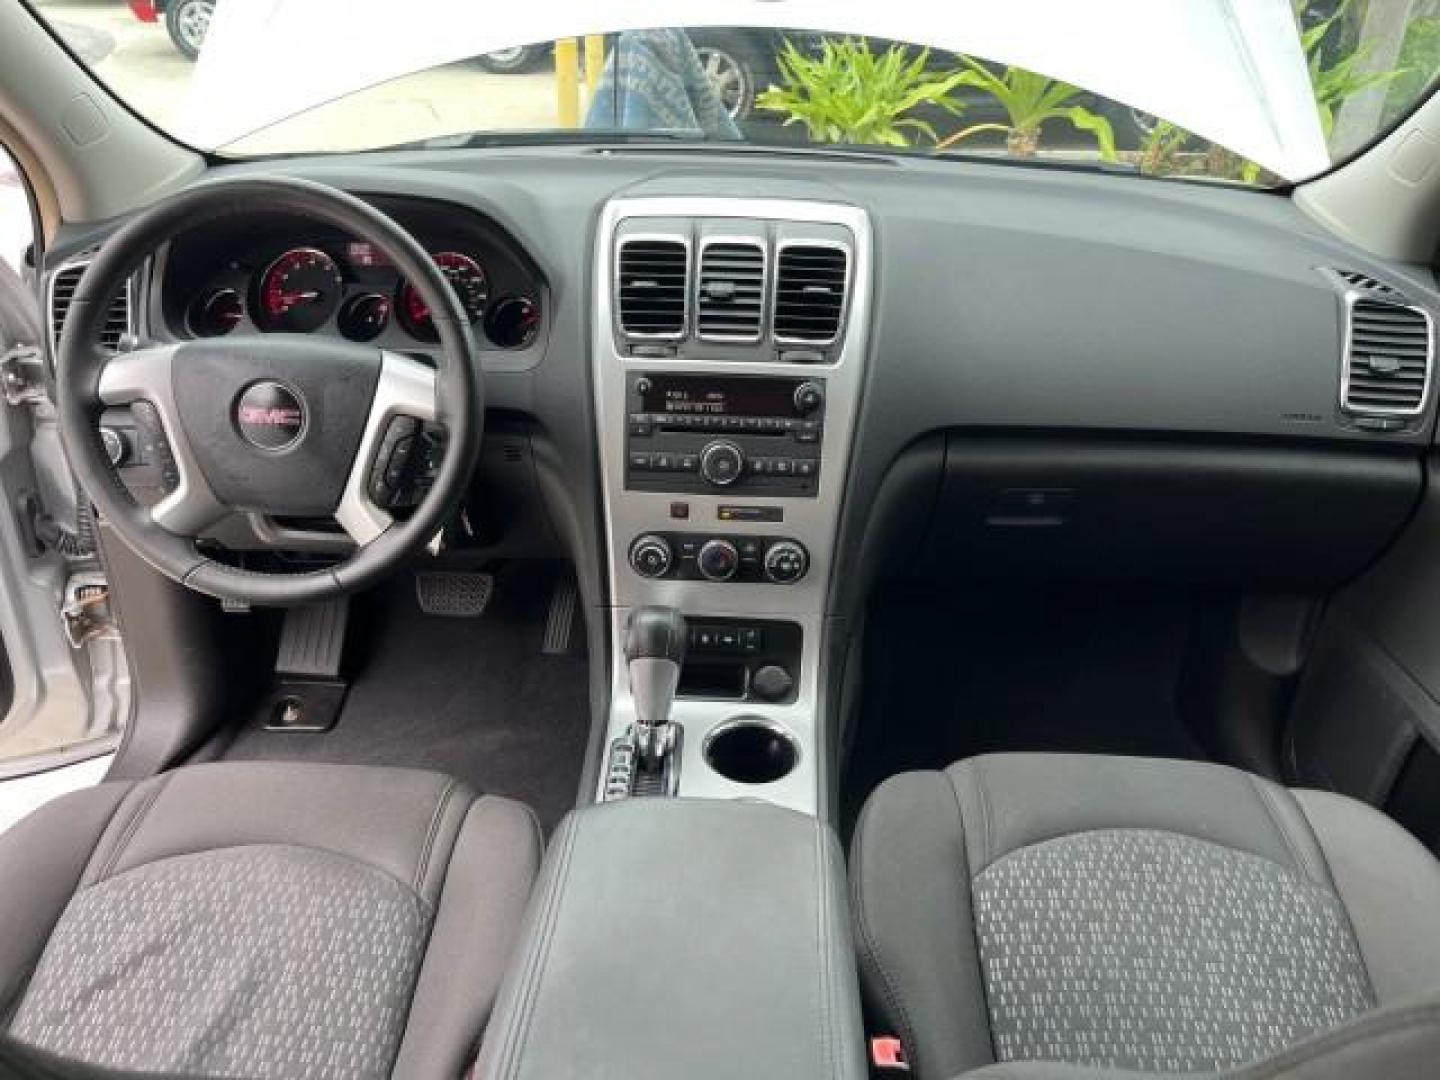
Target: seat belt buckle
887,1055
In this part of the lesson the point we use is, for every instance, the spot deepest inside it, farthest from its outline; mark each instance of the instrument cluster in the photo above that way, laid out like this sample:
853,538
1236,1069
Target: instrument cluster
324,282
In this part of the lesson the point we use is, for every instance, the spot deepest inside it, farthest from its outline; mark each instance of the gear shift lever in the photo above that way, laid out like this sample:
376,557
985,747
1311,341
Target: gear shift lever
655,641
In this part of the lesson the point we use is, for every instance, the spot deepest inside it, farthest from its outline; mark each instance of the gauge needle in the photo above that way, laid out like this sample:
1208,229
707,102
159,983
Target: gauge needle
293,298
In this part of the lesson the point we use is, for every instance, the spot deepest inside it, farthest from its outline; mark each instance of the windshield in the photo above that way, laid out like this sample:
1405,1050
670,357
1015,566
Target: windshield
1258,92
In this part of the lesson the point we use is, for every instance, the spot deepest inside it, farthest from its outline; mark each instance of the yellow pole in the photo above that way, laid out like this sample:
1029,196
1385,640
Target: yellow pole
567,82
594,60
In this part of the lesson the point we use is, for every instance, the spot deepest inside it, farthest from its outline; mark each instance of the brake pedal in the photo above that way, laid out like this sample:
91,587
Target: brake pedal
452,594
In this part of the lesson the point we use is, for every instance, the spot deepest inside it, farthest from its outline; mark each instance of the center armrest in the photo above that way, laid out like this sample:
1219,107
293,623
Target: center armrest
679,937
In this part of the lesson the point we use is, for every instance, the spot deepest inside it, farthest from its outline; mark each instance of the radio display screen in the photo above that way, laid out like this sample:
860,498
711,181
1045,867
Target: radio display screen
705,395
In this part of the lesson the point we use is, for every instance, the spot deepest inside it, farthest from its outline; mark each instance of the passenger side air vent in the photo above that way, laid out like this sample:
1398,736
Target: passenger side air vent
654,276
62,291
730,291
1371,285
811,283
1388,358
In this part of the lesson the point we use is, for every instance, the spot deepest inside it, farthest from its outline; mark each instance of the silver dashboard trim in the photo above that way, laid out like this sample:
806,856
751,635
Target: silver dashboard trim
813,521
1348,300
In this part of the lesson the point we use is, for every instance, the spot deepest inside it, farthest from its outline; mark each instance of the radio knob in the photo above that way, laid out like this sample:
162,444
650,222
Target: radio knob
651,556
722,463
809,396
718,560
786,562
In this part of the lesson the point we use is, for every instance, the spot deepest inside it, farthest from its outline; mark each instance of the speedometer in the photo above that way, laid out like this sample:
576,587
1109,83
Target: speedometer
299,291
466,277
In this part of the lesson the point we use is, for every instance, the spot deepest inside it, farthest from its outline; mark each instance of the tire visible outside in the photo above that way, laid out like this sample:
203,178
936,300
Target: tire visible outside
188,21
512,61
733,71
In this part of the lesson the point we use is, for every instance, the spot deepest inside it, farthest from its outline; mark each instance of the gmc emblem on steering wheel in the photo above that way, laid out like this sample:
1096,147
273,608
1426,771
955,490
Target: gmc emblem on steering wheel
270,416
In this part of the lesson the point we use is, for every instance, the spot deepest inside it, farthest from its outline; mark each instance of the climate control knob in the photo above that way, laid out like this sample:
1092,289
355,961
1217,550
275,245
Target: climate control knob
651,556
722,463
718,560
786,562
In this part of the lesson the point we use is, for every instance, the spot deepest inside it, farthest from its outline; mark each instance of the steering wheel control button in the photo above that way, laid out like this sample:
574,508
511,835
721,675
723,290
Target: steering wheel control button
270,416
154,445
718,560
722,463
651,556
786,562
117,448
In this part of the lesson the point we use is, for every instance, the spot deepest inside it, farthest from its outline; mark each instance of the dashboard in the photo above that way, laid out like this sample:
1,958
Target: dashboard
276,274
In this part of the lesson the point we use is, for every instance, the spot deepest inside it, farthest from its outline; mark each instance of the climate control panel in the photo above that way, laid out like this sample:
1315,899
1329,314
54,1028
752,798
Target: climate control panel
698,557
691,434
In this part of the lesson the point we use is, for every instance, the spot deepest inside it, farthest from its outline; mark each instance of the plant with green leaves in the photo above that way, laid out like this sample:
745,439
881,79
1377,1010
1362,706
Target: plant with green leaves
1344,76
851,94
1029,101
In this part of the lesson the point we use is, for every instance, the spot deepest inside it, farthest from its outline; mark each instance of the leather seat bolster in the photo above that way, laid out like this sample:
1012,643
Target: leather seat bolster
400,821
1011,801
914,924
495,861
1390,886
46,853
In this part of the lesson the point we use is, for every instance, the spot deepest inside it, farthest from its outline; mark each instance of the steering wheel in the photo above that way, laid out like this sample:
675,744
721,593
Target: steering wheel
281,424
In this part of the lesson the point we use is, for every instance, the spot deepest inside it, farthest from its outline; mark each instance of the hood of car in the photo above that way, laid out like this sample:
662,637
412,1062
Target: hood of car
1240,80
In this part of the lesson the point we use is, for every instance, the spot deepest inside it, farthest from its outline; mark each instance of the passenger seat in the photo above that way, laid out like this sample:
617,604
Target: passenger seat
1048,912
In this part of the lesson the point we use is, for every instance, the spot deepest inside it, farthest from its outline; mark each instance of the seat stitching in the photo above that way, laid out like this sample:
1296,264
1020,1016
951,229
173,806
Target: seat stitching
518,1029
821,912
440,806
870,947
969,879
131,828
1266,800
986,839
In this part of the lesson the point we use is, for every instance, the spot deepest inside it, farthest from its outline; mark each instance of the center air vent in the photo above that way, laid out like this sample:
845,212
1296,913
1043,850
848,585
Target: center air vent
653,282
62,291
1388,359
730,291
811,280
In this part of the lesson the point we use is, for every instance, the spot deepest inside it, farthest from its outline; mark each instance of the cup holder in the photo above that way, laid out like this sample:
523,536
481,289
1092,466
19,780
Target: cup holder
751,750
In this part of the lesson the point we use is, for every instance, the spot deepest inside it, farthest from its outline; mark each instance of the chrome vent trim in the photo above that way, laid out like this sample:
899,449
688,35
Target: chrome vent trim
812,290
1366,283
119,319
730,289
1389,355
652,286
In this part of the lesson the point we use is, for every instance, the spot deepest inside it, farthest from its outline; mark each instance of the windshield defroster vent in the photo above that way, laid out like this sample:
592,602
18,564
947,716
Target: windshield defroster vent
730,291
654,276
1389,355
810,291
62,291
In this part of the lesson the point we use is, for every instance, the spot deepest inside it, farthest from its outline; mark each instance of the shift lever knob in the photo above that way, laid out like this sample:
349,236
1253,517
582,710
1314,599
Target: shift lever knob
655,641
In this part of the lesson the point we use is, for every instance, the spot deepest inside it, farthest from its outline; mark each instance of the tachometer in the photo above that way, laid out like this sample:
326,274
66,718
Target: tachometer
466,277
299,291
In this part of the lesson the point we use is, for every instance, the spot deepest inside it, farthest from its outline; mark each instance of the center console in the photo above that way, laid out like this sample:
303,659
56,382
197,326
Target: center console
728,347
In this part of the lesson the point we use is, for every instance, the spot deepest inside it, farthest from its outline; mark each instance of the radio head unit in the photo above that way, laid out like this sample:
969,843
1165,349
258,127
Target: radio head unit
695,433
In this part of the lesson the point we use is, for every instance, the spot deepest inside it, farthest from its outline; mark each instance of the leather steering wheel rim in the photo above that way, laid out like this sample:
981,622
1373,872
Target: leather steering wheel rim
456,388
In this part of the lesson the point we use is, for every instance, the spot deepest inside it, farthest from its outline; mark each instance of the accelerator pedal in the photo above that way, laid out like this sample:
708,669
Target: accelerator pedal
308,690
560,621
452,594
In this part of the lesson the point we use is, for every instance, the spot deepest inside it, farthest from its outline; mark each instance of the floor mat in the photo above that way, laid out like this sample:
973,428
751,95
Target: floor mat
475,698
1081,670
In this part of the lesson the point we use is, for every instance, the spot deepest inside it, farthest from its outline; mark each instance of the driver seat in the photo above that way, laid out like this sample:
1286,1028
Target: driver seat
264,920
